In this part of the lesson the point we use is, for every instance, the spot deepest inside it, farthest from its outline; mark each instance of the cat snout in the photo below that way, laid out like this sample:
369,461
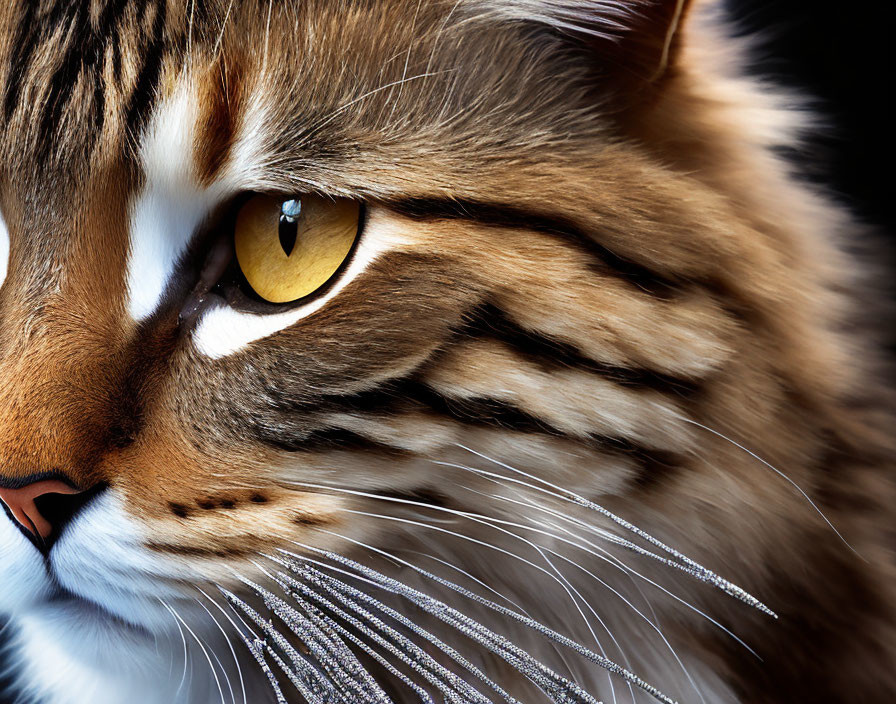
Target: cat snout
44,507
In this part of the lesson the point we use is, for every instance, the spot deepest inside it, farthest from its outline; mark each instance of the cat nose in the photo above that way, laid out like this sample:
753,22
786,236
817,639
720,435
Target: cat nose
43,508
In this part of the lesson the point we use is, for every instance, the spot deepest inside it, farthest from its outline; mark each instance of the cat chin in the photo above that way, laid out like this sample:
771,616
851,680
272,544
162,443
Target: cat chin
62,649
60,654
69,653
74,653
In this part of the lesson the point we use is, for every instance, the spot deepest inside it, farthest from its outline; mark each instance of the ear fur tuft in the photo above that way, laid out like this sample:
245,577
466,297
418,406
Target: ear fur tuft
609,19
634,39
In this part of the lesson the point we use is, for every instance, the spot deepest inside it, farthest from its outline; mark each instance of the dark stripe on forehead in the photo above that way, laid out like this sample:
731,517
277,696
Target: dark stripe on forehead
80,56
148,77
501,215
22,48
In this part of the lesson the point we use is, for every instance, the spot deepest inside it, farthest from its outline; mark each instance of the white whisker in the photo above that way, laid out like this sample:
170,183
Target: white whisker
232,651
407,651
695,569
776,471
537,672
310,683
183,638
494,591
257,647
201,647
602,554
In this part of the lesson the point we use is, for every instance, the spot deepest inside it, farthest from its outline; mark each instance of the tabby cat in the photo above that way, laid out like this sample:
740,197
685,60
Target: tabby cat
428,350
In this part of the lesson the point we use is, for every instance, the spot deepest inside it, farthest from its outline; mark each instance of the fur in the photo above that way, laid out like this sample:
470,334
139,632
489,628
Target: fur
583,259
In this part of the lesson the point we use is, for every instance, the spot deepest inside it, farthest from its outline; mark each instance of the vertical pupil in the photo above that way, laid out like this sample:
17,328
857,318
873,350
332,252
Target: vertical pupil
288,229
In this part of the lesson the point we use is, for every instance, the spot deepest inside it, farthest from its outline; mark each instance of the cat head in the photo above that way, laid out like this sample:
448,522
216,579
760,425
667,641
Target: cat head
291,274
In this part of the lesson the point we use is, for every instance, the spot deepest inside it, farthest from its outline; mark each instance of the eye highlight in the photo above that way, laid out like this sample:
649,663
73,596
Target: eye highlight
287,249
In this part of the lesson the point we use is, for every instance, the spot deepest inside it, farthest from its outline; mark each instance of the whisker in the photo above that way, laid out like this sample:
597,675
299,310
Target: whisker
232,652
779,473
342,592
338,661
653,623
477,517
223,670
258,648
608,557
238,631
416,657
201,647
384,663
309,681
557,688
183,638
494,591
564,584
550,682
486,520
561,580
699,571
571,590
342,631
647,620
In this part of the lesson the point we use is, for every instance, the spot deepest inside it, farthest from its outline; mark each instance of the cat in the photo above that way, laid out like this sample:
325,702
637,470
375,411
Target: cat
380,350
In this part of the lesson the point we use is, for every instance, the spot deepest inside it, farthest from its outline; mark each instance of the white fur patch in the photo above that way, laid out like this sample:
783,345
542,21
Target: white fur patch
71,655
167,212
22,573
4,250
101,558
165,215
223,331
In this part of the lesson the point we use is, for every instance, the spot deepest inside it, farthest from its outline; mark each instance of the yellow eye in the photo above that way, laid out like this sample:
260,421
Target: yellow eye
287,249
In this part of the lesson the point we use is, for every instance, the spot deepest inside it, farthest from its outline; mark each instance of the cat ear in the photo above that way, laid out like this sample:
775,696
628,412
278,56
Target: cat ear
650,41
633,44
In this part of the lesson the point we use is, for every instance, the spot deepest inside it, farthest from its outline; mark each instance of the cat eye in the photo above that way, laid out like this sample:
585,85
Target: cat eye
286,249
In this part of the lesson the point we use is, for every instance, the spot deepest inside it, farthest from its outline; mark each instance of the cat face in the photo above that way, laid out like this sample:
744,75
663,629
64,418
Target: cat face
498,264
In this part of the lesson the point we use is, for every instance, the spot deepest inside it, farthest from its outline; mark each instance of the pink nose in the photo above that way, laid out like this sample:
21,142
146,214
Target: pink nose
20,503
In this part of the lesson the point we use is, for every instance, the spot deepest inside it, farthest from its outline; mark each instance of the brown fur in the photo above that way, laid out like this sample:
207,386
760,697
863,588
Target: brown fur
620,204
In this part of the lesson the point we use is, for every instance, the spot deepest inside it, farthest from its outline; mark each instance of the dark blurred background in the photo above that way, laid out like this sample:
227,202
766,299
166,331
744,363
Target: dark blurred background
841,56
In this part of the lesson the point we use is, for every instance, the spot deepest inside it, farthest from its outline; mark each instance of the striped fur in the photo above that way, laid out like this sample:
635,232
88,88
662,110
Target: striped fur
582,258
